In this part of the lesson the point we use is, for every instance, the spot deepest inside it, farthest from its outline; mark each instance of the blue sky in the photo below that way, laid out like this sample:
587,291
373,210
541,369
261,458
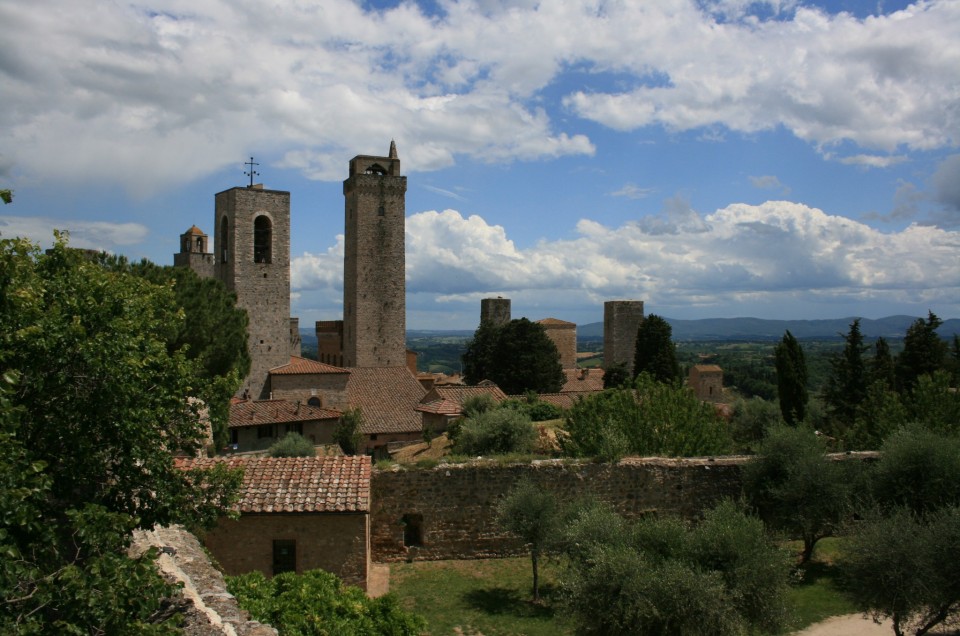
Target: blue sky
715,158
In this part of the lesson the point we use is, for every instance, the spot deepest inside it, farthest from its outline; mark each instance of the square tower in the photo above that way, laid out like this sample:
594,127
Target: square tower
621,320
193,253
374,285
252,249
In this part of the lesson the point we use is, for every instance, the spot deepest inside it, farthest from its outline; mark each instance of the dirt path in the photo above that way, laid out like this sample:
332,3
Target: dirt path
857,625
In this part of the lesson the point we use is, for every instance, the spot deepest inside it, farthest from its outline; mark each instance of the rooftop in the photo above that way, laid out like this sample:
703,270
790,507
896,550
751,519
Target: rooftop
257,412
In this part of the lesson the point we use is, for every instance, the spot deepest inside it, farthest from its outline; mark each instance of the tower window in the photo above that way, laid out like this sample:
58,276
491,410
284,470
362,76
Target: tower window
262,239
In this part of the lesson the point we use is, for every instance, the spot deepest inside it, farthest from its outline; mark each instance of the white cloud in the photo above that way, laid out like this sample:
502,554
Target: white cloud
778,251
632,191
95,235
873,161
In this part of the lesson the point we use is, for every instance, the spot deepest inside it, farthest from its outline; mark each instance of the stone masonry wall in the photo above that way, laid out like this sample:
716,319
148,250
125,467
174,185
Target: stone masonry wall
495,310
621,319
458,502
564,337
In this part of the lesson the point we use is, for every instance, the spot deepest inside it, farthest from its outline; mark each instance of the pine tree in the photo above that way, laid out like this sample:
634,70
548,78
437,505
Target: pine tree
923,352
881,366
655,353
791,379
847,384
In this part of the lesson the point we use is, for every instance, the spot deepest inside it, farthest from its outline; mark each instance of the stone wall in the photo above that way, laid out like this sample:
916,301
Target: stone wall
621,320
331,388
495,310
455,505
335,542
564,337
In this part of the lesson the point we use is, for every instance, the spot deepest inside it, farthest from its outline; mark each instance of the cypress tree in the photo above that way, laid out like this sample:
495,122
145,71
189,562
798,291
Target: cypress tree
847,384
655,353
791,379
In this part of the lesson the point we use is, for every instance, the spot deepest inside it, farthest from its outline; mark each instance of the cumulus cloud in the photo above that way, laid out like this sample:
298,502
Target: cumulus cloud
153,92
771,252
94,235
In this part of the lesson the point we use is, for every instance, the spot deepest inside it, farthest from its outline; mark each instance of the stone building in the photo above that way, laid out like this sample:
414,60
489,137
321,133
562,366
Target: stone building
706,380
256,425
621,320
564,337
296,514
495,310
194,246
374,286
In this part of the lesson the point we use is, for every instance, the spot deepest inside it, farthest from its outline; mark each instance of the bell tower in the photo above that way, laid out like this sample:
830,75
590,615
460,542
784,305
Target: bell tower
252,251
374,287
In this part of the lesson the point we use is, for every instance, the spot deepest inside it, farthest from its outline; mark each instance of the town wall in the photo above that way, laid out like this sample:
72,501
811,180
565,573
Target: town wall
335,542
455,505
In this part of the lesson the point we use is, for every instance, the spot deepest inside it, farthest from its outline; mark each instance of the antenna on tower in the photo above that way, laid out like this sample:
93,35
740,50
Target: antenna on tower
252,172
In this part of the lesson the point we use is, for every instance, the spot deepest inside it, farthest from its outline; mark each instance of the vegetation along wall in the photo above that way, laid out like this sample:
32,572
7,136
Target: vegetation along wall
449,512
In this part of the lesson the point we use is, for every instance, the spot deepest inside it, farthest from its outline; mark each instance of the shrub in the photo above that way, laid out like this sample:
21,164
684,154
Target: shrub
917,469
292,445
347,434
495,433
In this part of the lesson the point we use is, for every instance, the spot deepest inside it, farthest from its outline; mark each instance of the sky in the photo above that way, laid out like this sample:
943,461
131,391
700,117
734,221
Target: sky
713,158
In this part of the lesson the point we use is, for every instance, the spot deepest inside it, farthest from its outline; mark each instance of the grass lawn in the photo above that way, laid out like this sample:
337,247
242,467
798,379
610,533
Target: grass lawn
492,596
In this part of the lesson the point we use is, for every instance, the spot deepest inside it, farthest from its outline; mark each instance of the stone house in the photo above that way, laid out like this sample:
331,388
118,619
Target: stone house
296,514
444,403
312,382
706,380
256,425
386,397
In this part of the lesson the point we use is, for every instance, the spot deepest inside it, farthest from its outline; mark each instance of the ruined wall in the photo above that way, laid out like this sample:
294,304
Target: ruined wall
455,504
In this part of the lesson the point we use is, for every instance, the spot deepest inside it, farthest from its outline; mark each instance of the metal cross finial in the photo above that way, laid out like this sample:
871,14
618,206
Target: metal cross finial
252,172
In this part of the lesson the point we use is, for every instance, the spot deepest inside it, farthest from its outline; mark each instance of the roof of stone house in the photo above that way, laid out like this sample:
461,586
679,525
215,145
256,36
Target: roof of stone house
257,412
555,322
298,484
460,393
578,380
707,368
305,366
440,407
194,230
386,396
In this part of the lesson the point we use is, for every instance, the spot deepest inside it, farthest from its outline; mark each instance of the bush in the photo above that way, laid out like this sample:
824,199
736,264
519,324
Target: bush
917,469
318,603
292,445
478,404
751,419
495,433
347,434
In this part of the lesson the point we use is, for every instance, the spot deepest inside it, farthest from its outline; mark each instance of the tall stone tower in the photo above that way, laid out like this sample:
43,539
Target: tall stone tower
621,320
252,248
374,288
495,310
193,252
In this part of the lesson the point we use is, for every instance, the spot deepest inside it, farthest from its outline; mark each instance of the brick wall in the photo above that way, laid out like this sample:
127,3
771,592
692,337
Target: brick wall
336,542
457,503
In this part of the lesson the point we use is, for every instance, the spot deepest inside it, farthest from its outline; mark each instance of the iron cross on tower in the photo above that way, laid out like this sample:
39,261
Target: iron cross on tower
252,172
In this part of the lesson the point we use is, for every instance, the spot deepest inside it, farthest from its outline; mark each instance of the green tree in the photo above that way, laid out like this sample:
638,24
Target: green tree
796,488
615,375
881,365
905,568
655,353
923,352
347,433
532,513
98,402
751,418
317,603
6,195
292,445
846,387
651,419
496,432
791,379
518,356
917,470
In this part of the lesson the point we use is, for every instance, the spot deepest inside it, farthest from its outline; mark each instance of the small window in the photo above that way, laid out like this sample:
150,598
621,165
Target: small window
284,556
381,211
262,239
315,401
264,430
234,436
412,530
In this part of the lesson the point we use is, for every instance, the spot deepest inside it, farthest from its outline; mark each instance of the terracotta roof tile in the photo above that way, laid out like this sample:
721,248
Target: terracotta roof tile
305,366
459,393
386,396
705,368
298,484
257,412
440,407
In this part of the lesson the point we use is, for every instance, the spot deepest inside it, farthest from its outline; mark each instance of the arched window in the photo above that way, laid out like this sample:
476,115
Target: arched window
262,238
315,401
223,240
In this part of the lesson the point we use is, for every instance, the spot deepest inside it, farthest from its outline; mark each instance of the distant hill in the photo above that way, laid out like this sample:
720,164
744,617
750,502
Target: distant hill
758,329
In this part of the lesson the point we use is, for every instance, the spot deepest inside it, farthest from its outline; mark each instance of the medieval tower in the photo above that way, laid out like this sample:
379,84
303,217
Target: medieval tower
193,252
621,320
252,249
374,287
495,310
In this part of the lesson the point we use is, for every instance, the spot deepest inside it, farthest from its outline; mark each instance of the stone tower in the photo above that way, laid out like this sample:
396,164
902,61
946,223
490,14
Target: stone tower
252,248
564,337
621,320
495,310
193,253
374,288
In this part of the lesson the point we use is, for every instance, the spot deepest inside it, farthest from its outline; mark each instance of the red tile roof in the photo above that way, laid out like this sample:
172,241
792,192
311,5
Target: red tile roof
194,230
386,396
257,412
305,366
440,407
578,380
459,393
298,484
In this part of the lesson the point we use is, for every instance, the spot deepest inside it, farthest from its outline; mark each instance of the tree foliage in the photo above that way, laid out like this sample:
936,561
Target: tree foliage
655,353
917,470
317,603
518,356
657,576
533,514
652,418
97,402
292,445
347,433
923,352
791,379
497,432
796,488
846,387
